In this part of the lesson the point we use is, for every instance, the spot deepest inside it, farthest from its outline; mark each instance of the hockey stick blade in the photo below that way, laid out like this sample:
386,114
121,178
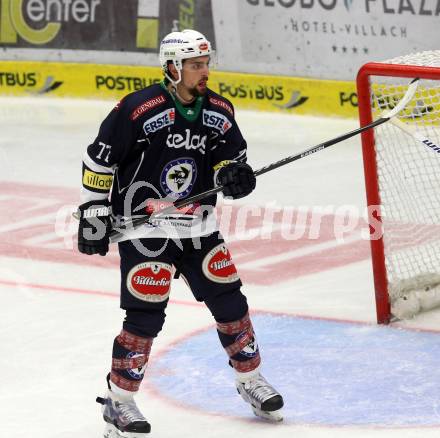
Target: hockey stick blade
411,131
117,233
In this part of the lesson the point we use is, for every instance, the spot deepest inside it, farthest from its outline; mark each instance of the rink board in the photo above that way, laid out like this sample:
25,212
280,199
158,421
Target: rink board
246,91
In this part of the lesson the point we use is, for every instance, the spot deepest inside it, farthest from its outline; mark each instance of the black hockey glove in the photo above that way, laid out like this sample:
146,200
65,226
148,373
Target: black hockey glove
94,227
237,179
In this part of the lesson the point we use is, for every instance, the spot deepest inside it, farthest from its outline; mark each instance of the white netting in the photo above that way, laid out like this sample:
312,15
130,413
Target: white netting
429,58
420,293
409,182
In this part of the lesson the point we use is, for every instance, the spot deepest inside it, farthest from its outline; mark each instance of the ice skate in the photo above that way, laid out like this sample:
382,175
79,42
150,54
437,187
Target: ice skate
123,418
265,401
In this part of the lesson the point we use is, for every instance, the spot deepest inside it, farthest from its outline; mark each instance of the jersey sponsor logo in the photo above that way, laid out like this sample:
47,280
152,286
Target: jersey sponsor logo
159,121
97,181
146,106
178,177
223,163
218,266
216,120
150,281
156,205
222,104
187,141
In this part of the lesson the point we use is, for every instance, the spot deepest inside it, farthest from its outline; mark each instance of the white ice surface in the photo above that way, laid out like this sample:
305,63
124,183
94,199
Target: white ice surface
55,338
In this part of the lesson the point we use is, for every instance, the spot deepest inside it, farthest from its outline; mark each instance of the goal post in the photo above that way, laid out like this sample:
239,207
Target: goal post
402,179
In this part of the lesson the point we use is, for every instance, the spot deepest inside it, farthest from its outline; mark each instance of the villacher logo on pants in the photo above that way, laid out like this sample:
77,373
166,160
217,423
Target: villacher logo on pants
218,266
150,281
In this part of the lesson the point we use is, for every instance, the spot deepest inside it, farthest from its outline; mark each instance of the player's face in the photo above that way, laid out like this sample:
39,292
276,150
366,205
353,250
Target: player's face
195,73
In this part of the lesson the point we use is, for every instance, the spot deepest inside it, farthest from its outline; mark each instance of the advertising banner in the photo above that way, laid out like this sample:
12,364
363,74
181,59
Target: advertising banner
322,38
246,91
61,79
77,24
73,28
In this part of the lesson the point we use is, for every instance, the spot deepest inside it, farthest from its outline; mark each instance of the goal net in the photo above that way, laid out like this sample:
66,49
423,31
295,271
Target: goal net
402,175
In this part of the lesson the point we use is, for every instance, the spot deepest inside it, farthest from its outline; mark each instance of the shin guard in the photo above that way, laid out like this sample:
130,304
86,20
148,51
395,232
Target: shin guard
238,340
130,358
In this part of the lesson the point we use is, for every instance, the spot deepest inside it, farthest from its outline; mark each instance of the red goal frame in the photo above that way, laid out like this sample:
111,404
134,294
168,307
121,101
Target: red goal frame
370,167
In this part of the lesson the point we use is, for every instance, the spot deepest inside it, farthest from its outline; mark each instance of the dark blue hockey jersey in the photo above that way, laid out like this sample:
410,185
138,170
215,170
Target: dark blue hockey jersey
150,146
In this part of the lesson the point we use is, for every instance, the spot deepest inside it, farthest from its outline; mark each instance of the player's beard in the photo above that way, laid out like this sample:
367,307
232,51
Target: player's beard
196,92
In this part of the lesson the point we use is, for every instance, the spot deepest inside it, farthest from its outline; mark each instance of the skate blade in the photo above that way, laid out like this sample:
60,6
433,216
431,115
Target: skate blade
273,416
112,431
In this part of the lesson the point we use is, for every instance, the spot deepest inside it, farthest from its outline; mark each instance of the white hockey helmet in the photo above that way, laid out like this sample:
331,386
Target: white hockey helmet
177,46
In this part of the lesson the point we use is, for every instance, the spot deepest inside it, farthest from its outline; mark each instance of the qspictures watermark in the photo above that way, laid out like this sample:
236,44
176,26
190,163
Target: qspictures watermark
267,222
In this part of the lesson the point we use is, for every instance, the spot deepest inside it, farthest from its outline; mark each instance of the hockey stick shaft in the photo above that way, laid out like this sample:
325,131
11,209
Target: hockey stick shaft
188,201
116,233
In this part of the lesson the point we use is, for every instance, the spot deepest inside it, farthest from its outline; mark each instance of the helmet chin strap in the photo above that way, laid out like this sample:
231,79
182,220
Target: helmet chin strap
174,84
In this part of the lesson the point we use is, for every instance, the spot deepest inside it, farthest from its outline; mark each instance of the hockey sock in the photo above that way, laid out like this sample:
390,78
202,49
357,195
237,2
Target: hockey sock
238,340
130,358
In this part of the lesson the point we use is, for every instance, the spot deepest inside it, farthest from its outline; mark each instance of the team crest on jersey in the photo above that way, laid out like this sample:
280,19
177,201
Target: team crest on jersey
178,177
159,121
215,120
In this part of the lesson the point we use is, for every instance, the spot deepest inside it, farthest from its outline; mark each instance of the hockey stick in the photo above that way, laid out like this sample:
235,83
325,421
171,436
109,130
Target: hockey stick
412,131
130,224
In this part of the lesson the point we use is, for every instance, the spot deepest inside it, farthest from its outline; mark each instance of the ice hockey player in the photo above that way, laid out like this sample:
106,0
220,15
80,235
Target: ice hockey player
167,142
